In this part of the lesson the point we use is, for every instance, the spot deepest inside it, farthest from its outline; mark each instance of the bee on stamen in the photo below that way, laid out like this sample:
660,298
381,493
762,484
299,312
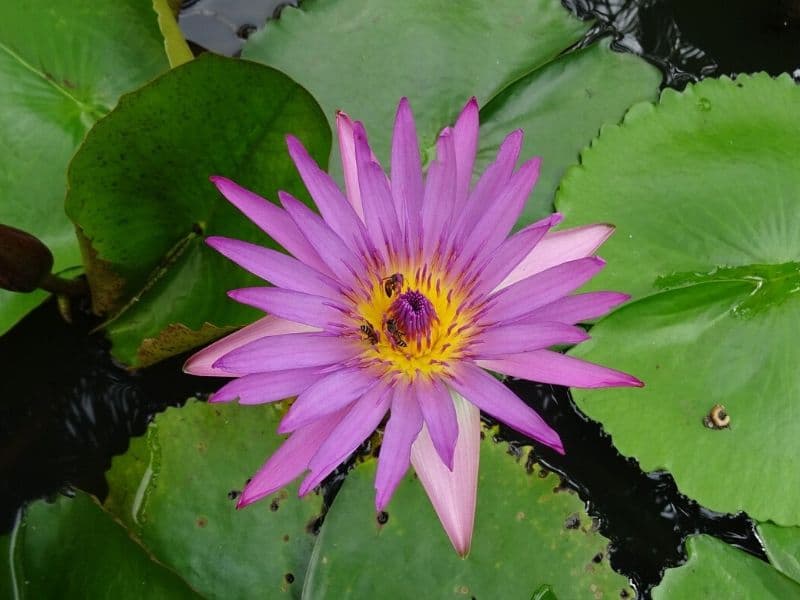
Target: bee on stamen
369,333
392,284
397,336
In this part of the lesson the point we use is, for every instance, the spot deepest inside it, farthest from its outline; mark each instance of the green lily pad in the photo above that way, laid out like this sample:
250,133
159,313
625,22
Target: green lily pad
175,489
73,549
530,537
440,53
140,195
783,548
717,570
704,189
63,65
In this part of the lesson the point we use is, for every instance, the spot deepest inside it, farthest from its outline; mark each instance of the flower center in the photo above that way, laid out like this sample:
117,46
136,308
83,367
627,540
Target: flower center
412,321
413,314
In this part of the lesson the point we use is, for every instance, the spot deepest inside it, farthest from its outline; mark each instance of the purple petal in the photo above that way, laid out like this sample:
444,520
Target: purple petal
361,420
259,388
347,149
272,220
552,367
402,429
201,363
282,352
439,199
288,461
317,311
336,254
334,392
522,297
500,214
578,308
439,414
515,338
513,250
379,213
334,207
453,493
492,397
465,138
406,170
490,184
275,267
560,247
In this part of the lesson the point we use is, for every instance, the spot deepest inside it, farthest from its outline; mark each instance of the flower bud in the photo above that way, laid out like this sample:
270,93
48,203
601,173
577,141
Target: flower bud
24,260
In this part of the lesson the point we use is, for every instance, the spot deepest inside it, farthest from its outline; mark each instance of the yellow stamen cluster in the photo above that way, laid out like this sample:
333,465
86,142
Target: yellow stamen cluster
387,346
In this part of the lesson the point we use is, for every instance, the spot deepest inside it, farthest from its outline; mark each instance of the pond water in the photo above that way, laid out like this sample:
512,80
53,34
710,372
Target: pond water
73,408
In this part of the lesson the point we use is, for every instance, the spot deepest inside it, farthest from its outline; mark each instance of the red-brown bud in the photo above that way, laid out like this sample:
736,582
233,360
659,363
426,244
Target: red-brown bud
24,260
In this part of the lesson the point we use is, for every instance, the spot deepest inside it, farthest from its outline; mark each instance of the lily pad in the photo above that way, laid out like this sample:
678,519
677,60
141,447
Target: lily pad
530,537
140,195
73,549
717,570
783,548
704,189
507,54
175,491
63,65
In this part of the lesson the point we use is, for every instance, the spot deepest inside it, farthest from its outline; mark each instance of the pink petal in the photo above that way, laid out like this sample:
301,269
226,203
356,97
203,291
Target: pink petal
453,493
522,297
552,367
514,338
288,461
272,220
317,311
465,138
406,170
337,255
334,392
360,422
511,251
347,148
578,308
492,397
276,267
259,388
201,363
334,207
439,198
559,247
379,213
402,429
282,352
439,414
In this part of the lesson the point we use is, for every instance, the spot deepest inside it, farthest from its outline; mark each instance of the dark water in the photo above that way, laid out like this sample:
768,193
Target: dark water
66,408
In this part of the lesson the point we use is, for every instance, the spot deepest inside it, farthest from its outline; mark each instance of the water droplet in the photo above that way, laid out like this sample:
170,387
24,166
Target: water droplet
704,104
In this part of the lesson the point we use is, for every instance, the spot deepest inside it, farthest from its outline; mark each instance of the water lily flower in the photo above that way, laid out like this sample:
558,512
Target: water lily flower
400,298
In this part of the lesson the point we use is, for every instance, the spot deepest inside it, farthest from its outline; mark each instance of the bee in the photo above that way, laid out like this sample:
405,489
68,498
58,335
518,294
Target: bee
395,334
392,284
718,418
369,333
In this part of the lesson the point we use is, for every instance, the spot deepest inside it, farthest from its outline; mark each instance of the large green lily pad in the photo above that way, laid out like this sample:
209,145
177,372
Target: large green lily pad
139,193
440,53
529,534
72,549
717,570
704,189
63,65
175,489
783,548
